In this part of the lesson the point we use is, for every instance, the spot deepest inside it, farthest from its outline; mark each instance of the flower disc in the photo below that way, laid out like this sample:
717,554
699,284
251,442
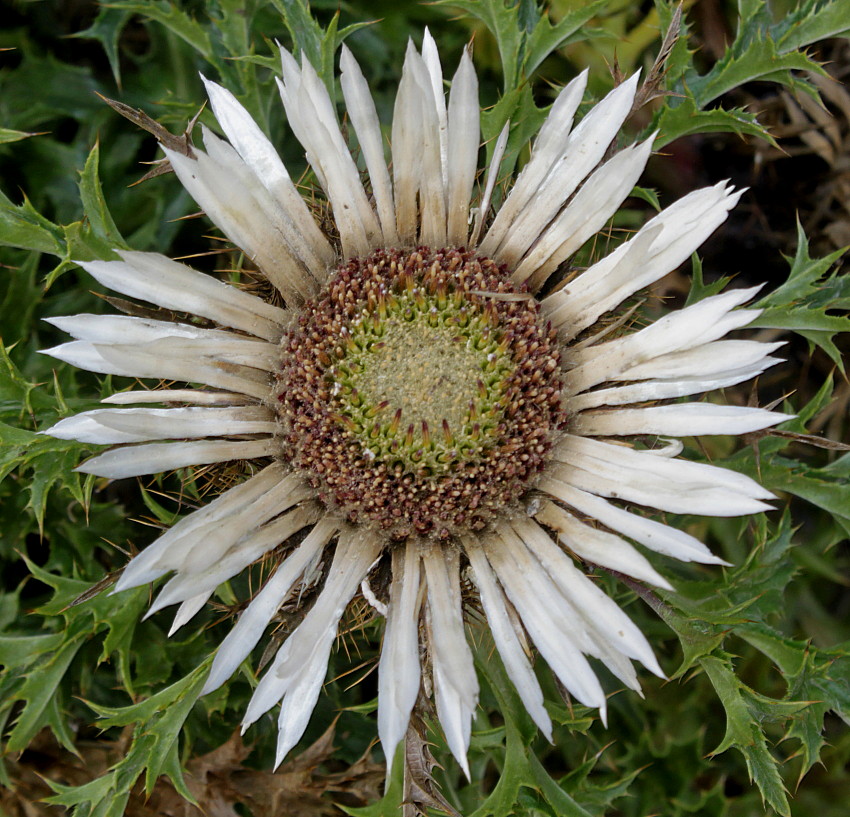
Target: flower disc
420,391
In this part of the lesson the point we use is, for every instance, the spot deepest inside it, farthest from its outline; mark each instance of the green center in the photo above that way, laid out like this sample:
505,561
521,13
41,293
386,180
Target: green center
428,373
422,380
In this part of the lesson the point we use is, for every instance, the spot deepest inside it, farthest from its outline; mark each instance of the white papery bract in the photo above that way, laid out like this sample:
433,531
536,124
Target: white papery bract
526,563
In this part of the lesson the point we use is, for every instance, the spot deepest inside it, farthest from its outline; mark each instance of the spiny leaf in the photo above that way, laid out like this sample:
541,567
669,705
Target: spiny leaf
686,119
816,485
174,19
317,44
545,38
106,29
758,59
520,770
94,204
524,36
503,21
744,732
804,278
23,226
21,650
519,109
159,721
117,615
821,676
699,289
812,21
763,49
803,303
39,687
47,462
15,389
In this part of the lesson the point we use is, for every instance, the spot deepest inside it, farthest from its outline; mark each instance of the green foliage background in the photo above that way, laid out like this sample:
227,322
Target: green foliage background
758,699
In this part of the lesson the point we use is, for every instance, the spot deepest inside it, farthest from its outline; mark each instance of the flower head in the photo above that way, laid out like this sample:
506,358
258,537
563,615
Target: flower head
415,408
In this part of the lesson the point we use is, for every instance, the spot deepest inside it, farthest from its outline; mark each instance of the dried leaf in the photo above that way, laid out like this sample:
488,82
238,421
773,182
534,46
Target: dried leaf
420,788
164,136
652,85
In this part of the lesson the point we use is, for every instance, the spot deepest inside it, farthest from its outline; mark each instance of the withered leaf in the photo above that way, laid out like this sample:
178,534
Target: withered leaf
420,788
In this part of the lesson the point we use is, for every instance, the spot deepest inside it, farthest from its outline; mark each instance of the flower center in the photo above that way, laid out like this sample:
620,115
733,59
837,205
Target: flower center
420,392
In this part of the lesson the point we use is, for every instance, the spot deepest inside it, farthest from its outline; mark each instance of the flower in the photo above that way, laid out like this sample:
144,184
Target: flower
423,413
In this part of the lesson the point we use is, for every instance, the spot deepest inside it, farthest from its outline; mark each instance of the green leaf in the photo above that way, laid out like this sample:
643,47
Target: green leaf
17,309
502,18
39,687
117,615
744,732
758,59
21,650
686,119
802,303
764,49
518,108
820,676
174,19
46,461
698,636
545,38
158,720
815,485
810,22
524,36
106,29
700,290
647,194
7,135
317,44
22,226
15,391
94,204
805,276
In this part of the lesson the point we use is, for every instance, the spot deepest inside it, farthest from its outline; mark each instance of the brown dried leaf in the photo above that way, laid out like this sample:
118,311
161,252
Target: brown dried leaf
161,167
420,788
137,310
96,588
164,136
806,439
218,781
651,87
833,90
809,131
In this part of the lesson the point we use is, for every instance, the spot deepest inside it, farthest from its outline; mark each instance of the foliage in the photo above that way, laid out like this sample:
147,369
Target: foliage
758,654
